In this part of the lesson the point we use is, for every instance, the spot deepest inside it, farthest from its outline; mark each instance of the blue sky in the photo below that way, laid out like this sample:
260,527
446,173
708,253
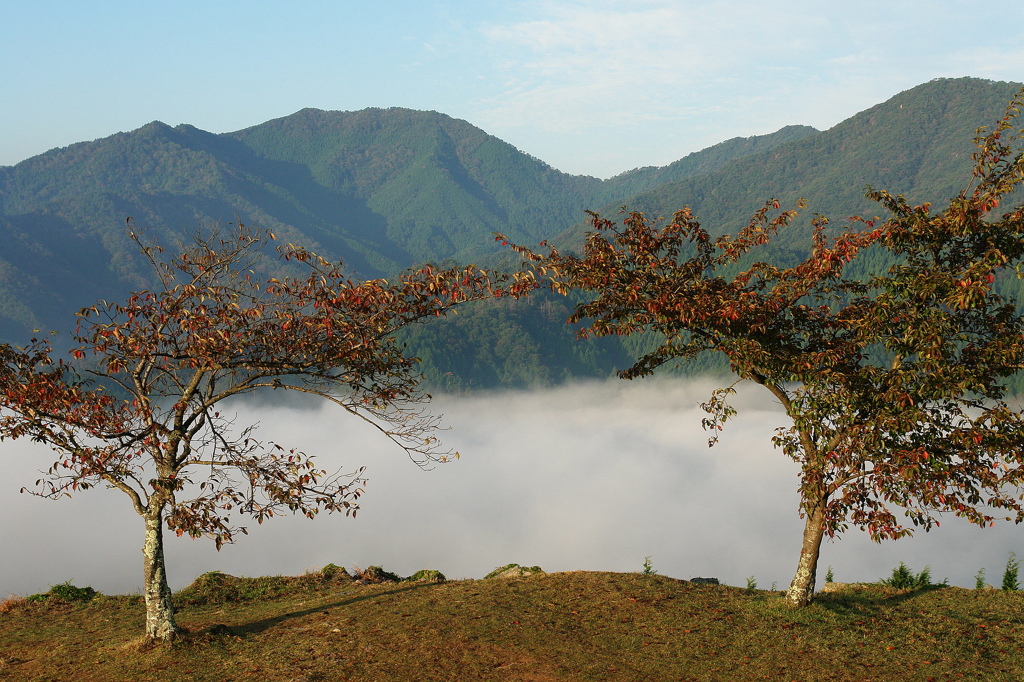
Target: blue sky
594,87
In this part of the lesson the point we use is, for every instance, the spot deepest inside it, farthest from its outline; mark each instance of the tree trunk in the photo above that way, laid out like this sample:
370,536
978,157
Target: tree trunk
159,610
801,590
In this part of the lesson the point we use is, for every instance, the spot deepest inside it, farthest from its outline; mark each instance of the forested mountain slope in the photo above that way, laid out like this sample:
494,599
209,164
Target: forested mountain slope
386,189
918,143
382,189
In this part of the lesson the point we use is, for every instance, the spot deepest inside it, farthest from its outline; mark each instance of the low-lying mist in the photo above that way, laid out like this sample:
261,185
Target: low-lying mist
589,476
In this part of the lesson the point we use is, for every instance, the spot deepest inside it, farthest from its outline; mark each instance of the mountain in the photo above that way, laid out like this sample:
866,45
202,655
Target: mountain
704,161
382,189
385,189
918,143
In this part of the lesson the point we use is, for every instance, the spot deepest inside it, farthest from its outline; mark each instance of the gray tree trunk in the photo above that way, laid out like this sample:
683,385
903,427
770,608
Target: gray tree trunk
159,609
801,590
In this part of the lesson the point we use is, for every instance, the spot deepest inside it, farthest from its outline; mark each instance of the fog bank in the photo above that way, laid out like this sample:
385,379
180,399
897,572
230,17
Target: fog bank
590,476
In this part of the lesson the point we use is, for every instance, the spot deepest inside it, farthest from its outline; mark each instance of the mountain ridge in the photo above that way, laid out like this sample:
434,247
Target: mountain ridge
833,168
386,189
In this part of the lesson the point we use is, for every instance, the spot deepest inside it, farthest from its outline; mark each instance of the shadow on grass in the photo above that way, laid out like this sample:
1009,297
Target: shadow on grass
258,626
869,601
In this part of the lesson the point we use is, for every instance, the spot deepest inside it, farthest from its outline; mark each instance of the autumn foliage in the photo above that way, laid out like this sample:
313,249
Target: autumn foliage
148,416
894,382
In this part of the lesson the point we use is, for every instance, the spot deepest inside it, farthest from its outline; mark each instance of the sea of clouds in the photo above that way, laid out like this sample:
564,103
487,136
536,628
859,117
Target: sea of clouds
587,476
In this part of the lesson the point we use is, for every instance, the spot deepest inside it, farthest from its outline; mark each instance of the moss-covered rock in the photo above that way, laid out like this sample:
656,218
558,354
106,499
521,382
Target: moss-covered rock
333,572
514,571
376,574
427,575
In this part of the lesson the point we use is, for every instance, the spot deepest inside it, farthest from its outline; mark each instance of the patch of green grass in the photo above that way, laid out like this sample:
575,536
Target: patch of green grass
65,592
220,588
562,626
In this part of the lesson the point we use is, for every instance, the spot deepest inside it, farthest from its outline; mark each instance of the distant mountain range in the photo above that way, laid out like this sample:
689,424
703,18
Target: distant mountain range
386,189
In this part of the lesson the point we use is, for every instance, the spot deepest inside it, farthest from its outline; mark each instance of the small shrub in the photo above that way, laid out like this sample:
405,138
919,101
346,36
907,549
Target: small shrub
1010,573
903,578
979,579
69,593
751,583
830,577
427,575
65,592
648,567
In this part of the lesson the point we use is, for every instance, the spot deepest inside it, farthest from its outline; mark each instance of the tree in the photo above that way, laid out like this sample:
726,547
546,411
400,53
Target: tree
894,382
148,417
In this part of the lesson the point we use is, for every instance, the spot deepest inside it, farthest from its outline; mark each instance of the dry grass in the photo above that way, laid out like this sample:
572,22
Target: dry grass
12,603
566,626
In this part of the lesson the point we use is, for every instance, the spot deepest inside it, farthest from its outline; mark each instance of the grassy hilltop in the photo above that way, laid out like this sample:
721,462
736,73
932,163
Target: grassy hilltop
563,626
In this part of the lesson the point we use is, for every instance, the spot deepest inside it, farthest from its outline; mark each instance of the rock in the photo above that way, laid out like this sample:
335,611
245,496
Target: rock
514,571
335,572
376,574
427,575
705,581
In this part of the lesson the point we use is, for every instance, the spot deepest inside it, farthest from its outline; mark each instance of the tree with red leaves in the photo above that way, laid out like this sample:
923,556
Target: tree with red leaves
147,418
894,383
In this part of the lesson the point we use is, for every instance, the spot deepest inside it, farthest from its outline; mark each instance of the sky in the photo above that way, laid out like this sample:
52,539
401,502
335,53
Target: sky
587,476
591,87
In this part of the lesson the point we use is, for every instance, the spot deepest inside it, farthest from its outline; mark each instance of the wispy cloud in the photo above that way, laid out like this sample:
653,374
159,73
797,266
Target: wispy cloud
609,79
601,64
988,61
601,81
